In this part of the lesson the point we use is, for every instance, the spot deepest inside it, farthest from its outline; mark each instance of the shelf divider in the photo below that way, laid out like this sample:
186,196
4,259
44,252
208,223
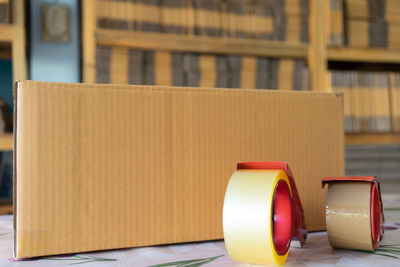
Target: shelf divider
373,55
372,138
176,42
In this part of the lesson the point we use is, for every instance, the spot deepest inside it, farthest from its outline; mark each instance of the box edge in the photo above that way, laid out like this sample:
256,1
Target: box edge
15,94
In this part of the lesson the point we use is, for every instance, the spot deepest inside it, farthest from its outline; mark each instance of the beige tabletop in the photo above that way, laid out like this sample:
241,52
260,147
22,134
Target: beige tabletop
316,252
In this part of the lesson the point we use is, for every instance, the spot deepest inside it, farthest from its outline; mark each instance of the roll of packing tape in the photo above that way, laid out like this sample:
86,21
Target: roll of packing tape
259,213
354,217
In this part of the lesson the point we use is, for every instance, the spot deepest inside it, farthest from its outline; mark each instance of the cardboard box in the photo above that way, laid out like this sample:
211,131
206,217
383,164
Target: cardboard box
112,166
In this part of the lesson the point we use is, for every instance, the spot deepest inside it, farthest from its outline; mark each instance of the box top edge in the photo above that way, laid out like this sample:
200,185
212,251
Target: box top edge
29,83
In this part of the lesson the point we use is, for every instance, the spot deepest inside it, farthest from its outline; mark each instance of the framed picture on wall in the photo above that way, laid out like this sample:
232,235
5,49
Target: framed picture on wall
55,23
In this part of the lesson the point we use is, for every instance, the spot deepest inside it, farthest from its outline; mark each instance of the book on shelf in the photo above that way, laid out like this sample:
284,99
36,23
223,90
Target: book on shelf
5,11
122,65
351,83
262,73
208,70
136,62
149,68
300,76
340,84
392,11
380,103
178,78
394,35
364,115
248,72
365,34
295,7
222,71
365,9
119,65
235,18
336,23
191,69
357,34
264,22
103,54
162,68
283,74
150,15
234,66
173,17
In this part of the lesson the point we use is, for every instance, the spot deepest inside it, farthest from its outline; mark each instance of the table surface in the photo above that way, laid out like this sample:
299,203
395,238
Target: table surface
317,251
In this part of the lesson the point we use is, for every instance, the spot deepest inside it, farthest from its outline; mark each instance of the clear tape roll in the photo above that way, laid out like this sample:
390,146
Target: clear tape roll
354,216
248,217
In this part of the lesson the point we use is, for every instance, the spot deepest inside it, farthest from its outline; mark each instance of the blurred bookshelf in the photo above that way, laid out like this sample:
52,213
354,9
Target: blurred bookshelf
13,38
12,47
362,37
111,29
201,31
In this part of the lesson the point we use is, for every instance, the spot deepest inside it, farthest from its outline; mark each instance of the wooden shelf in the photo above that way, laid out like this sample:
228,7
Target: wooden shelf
6,142
364,55
6,209
6,33
201,44
387,138
5,50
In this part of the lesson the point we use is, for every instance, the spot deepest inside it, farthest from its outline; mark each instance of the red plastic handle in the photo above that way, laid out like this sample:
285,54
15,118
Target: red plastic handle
299,229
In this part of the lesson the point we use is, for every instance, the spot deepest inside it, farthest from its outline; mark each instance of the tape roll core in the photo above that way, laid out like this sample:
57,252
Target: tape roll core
282,218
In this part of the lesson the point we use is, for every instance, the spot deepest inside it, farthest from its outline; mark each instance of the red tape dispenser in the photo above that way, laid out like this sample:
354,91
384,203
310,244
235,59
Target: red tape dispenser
354,212
262,213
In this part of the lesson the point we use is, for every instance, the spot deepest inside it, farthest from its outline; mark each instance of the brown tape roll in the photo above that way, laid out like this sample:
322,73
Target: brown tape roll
354,213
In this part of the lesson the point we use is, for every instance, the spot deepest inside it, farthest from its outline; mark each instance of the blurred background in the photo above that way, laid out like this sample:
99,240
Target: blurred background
341,46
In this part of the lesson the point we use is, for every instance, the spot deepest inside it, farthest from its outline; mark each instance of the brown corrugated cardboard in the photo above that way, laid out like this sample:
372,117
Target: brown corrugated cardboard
113,166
